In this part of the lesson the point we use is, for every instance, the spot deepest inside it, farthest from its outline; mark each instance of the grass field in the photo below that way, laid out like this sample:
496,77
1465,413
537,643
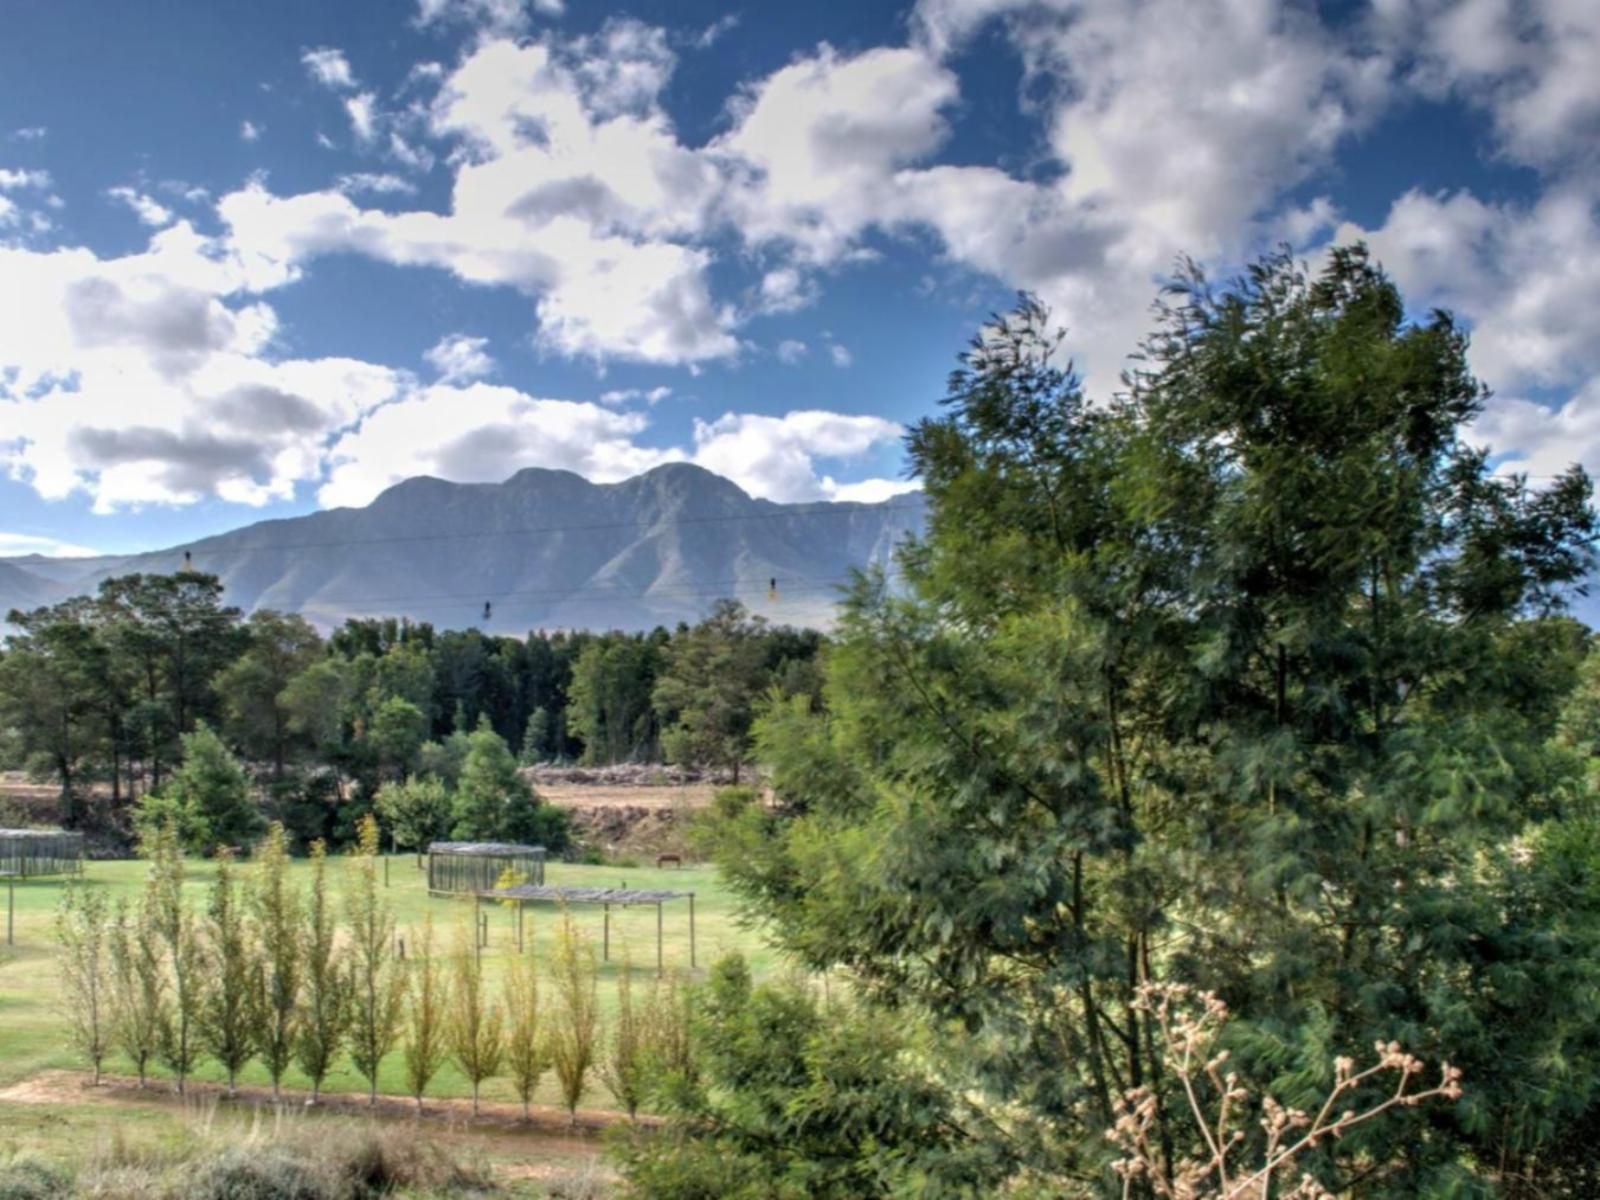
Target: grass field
33,1036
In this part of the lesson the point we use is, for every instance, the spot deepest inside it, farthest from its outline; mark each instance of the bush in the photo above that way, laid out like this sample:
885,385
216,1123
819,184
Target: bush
30,1179
260,1173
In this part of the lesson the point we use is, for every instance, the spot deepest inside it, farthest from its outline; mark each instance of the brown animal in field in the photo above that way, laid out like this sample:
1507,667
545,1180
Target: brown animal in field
675,859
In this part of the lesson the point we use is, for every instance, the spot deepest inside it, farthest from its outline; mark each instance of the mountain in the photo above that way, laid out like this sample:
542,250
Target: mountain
547,549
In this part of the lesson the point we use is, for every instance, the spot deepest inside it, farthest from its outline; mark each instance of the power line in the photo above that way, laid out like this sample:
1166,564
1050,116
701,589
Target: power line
458,535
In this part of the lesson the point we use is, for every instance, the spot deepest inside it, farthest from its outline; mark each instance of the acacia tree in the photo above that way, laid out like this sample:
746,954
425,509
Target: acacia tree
276,913
477,1026
229,1017
377,985
138,985
427,1015
184,954
1245,680
323,1020
82,922
527,1055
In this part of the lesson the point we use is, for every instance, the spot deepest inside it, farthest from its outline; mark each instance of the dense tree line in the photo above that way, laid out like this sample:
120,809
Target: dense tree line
111,695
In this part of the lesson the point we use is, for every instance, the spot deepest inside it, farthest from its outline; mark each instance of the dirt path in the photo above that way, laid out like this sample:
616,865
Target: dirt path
588,795
547,1126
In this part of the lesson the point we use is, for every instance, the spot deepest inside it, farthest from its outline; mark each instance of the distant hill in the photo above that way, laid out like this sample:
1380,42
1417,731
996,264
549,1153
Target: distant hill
546,549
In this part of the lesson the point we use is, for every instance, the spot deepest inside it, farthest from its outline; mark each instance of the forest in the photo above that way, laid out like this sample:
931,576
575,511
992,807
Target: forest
107,696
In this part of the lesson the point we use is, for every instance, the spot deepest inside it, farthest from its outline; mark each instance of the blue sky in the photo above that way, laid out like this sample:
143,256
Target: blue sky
260,259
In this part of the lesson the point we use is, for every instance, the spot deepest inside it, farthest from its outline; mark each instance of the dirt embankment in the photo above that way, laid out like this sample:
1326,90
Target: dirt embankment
633,810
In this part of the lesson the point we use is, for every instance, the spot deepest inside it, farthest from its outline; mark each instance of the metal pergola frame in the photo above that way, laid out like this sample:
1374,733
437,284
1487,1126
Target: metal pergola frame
463,868
605,897
27,853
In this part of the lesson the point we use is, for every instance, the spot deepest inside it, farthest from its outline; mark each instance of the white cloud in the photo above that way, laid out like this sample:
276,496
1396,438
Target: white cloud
1520,274
870,491
1530,64
840,355
329,67
786,289
363,113
491,17
366,181
30,133
148,210
775,457
791,351
482,433
459,358
15,545
250,131
618,397
713,33
11,180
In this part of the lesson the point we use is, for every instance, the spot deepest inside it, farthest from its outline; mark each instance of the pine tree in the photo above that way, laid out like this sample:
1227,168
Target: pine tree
575,1030
184,952
527,1052
477,1026
81,928
427,1015
138,985
323,1021
377,986
228,1021
276,911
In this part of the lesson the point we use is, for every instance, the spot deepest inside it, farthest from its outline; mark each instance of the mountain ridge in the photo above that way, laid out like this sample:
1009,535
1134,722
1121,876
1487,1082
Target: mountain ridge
544,548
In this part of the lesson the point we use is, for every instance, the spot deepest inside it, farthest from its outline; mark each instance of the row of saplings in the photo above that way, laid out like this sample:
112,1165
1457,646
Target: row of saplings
264,973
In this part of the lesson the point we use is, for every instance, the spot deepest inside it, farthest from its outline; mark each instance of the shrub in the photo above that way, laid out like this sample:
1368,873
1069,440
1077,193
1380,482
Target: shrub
30,1179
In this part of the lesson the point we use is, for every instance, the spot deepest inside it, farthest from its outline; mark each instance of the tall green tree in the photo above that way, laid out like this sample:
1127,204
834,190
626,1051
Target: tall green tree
50,674
228,1022
323,1019
276,913
495,802
208,798
173,923
254,686
83,928
377,984
1229,682
416,811
476,1030
610,708
138,985
705,695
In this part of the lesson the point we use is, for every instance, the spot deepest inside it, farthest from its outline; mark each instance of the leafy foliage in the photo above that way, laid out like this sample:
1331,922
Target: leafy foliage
1248,681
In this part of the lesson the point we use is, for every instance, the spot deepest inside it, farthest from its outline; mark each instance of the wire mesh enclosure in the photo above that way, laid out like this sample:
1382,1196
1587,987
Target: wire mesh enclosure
467,867
26,853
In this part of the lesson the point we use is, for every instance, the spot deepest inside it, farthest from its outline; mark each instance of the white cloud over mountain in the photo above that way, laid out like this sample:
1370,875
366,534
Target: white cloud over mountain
1166,127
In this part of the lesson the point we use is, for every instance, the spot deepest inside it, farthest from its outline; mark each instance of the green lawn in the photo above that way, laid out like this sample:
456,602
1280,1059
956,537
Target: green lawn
33,1036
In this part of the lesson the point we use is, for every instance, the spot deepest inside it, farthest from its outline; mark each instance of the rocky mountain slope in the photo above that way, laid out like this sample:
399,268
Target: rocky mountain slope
545,549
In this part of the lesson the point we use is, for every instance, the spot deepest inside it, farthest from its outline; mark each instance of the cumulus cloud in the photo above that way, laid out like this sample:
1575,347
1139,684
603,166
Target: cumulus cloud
840,355
250,131
148,210
459,358
363,113
775,457
791,351
492,17
482,433
377,184
15,179
15,545
1530,65
329,67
